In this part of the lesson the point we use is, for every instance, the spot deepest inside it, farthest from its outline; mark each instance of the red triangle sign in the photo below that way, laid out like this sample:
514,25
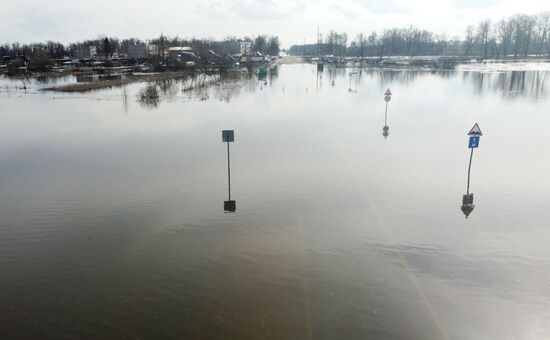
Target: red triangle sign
388,92
475,131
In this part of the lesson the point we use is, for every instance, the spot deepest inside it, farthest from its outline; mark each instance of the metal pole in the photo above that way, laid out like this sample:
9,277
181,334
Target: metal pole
386,115
469,168
228,172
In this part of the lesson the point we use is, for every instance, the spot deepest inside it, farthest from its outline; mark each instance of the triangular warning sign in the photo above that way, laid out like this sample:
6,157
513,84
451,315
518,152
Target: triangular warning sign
475,131
387,93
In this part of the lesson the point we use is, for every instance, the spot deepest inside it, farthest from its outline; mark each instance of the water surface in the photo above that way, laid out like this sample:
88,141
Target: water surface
112,221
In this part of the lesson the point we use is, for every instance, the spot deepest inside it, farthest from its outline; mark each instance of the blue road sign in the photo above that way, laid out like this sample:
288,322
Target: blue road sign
474,142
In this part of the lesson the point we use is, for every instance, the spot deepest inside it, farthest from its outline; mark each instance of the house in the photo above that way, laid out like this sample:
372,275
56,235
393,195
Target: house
85,52
17,65
142,51
138,51
246,47
257,58
176,52
235,48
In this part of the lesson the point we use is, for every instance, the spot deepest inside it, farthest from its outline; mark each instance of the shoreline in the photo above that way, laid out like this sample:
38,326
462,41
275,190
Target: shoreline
388,63
128,79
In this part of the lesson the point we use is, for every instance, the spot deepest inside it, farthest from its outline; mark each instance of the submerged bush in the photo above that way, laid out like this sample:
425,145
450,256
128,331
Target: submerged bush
149,92
149,96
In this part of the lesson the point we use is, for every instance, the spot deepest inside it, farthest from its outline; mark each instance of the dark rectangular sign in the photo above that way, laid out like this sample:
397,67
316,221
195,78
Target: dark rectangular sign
228,136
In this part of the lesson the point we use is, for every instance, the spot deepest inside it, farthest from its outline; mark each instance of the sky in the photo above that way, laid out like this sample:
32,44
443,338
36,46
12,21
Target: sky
294,21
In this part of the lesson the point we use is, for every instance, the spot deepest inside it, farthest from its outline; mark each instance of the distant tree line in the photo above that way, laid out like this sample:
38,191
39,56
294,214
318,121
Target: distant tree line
107,47
517,36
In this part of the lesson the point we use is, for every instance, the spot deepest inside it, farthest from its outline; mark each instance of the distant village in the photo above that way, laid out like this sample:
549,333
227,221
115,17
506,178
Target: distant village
510,39
158,55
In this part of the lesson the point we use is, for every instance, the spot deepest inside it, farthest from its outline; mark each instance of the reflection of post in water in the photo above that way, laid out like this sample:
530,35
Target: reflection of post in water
319,83
468,199
351,74
228,136
124,95
386,128
319,79
262,76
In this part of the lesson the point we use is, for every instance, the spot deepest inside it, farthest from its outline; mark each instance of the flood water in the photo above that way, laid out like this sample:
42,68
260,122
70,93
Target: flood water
112,221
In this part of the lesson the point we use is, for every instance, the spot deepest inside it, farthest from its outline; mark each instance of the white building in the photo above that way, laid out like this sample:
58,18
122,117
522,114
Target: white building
142,51
85,52
138,51
246,47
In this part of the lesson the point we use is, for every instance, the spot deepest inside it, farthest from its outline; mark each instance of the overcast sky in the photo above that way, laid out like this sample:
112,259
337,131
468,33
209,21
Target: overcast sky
292,20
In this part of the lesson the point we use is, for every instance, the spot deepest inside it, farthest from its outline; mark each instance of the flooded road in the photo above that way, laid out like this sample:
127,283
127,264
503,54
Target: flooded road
112,221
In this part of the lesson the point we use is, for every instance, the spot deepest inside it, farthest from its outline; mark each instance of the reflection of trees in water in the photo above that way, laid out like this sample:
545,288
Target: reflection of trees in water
410,76
510,84
194,86
227,89
197,85
204,86
168,87
386,76
335,72
253,84
273,73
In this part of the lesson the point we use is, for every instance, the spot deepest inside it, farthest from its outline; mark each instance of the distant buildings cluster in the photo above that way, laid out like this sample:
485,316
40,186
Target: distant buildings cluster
161,54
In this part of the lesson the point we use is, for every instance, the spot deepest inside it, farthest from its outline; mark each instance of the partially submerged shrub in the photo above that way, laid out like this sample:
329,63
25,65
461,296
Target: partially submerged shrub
149,96
150,92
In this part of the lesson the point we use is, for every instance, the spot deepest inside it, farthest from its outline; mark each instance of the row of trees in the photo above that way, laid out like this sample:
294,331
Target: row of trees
108,46
519,35
267,45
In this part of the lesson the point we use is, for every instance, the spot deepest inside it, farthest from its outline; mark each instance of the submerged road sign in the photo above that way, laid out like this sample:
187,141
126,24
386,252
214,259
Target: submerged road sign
468,199
474,142
475,131
230,205
228,136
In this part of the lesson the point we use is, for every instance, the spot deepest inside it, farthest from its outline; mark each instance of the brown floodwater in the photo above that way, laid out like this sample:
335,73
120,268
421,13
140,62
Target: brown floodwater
112,221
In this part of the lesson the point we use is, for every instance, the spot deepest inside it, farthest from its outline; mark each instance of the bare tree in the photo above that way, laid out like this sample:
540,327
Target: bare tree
505,32
361,42
469,41
483,36
543,29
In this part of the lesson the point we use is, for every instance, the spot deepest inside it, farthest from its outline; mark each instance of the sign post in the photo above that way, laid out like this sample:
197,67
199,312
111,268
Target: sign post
320,67
228,136
386,128
473,143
